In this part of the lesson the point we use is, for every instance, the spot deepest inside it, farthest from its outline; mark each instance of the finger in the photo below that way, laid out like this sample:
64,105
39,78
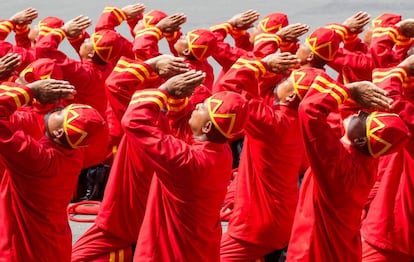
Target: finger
180,65
381,102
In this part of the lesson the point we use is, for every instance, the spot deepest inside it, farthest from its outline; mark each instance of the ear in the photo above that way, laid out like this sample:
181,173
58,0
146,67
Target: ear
187,52
291,97
58,133
310,57
360,142
207,127
91,53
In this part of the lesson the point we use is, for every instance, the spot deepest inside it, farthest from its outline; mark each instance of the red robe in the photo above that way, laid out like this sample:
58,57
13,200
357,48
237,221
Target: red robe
335,188
123,206
266,189
35,190
127,188
182,220
389,222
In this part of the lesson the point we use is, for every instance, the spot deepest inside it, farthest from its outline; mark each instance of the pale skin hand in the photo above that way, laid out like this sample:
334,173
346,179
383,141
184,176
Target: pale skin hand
293,32
74,27
8,63
245,20
172,23
133,11
183,85
357,22
406,27
408,64
368,95
281,62
167,65
25,16
49,91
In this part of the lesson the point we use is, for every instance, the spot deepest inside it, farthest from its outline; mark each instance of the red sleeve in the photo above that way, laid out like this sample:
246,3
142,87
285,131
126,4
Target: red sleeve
359,62
179,112
384,39
172,39
132,23
221,31
22,36
226,55
76,42
27,55
12,97
243,77
392,80
143,128
6,26
291,47
323,148
127,77
50,41
350,40
146,43
266,44
241,39
110,18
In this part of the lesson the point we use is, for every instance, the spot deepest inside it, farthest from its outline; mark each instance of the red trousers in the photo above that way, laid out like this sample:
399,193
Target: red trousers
98,245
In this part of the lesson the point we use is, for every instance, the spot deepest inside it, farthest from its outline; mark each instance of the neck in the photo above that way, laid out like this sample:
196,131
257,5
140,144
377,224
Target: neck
201,137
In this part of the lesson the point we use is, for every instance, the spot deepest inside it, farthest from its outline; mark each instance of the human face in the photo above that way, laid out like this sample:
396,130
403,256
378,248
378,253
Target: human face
283,91
255,31
33,33
86,49
303,53
199,118
181,46
54,121
368,36
355,126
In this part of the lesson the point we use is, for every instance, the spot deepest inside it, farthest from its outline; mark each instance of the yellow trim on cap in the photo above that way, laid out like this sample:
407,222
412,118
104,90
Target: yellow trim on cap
296,83
263,25
191,45
97,49
67,125
310,40
373,117
213,115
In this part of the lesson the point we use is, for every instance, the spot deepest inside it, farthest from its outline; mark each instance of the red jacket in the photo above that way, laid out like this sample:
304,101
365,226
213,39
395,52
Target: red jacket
35,190
389,222
182,221
266,189
335,188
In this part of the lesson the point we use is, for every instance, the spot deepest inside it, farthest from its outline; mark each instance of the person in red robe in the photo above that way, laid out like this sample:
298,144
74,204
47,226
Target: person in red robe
122,210
182,221
387,230
342,170
41,174
266,186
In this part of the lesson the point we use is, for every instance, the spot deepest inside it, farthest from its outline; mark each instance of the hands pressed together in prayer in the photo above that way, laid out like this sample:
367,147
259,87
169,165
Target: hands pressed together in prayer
50,91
